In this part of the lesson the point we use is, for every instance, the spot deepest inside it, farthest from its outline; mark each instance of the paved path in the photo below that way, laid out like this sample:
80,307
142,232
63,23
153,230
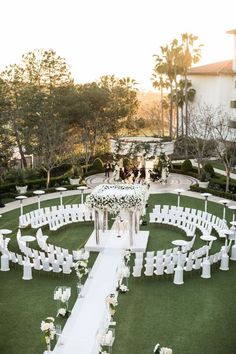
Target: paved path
174,181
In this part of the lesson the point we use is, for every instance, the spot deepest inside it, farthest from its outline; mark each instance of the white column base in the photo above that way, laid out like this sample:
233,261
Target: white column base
178,277
27,272
4,263
233,253
224,265
206,269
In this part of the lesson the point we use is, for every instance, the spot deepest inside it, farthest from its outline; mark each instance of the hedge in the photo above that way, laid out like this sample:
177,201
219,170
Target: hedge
218,193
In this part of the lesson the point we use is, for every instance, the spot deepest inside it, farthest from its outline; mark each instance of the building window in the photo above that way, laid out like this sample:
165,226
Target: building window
232,104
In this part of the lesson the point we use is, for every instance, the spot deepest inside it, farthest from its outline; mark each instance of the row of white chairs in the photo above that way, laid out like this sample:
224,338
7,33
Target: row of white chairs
187,219
169,257
56,216
159,269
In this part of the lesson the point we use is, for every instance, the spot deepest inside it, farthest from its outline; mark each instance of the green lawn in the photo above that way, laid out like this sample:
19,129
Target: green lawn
198,317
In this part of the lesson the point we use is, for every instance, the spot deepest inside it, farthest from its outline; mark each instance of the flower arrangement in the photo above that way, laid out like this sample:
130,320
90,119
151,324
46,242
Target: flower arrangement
114,197
63,294
112,302
122,288
161,350
48,329
127,256
81,268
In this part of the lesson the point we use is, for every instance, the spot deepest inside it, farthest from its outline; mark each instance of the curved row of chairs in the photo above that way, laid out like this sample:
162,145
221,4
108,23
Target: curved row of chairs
56,216
52,258
150,264
188,219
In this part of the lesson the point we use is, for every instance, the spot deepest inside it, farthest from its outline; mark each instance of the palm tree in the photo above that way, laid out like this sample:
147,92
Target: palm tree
190,55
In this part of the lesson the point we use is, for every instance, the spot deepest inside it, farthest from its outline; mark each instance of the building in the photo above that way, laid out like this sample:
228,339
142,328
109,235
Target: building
215,83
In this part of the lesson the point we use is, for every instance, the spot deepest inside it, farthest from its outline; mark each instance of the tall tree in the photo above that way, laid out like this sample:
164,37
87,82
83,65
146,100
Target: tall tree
191,54
12,88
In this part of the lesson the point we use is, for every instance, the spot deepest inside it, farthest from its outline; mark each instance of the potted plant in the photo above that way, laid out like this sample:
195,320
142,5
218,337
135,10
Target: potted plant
204,179
76,175
21,185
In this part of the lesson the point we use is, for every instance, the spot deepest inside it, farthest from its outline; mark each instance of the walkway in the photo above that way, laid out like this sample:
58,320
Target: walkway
174,181
90,312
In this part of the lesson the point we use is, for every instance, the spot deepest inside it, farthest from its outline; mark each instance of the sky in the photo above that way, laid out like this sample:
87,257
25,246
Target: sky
120,37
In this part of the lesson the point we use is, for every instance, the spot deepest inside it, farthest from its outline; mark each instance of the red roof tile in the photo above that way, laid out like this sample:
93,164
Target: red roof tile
222,67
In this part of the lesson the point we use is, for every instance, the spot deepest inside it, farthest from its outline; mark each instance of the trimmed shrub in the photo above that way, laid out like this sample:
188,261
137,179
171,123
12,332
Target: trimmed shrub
209,169
187,166
218,193
97,165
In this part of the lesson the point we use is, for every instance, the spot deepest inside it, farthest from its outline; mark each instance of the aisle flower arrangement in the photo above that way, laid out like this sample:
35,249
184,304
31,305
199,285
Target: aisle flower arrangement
127,256
112,302
122,288
162,350
62,294
81,268
48,329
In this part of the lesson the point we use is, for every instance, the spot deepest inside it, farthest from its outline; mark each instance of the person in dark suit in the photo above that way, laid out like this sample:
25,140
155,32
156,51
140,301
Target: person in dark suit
107,168
142,174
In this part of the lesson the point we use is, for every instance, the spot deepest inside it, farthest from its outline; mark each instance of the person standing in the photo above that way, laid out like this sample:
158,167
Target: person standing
107,168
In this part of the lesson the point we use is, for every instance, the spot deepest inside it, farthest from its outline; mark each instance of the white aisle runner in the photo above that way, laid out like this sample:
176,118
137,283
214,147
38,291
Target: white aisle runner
89,312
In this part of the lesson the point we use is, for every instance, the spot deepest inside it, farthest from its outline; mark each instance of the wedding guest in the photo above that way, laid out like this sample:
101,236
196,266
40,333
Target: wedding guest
142,174
107,168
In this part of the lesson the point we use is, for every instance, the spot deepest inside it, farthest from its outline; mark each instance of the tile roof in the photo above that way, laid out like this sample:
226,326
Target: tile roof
222,67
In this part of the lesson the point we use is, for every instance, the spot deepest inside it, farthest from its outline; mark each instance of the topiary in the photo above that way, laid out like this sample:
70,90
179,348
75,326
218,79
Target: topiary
209,169
186,166
98,165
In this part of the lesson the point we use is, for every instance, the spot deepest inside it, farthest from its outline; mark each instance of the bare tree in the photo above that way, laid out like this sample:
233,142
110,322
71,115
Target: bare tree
200,133
225,137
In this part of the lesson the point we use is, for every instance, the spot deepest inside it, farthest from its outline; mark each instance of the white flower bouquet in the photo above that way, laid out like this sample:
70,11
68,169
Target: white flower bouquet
81,268
122,288
127,255
48,329
118,196
161,350
112,302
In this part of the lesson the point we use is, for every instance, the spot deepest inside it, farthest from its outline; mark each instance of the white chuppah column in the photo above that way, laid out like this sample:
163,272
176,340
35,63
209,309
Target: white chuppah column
105,220
96,226
131,228
136,221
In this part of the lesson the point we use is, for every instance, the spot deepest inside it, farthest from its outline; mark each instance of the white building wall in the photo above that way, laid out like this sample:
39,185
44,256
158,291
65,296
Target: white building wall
214,90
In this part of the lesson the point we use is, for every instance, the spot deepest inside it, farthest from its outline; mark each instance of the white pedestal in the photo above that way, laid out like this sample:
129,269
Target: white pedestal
178,277
206,269
224,265
4,263
233,253
27,272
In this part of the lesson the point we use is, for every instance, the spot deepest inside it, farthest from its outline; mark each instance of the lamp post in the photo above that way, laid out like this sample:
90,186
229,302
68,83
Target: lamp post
224,202
61,190
206,265
233,249
224,265
82,189
38,193
179,191
206,195
21,198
